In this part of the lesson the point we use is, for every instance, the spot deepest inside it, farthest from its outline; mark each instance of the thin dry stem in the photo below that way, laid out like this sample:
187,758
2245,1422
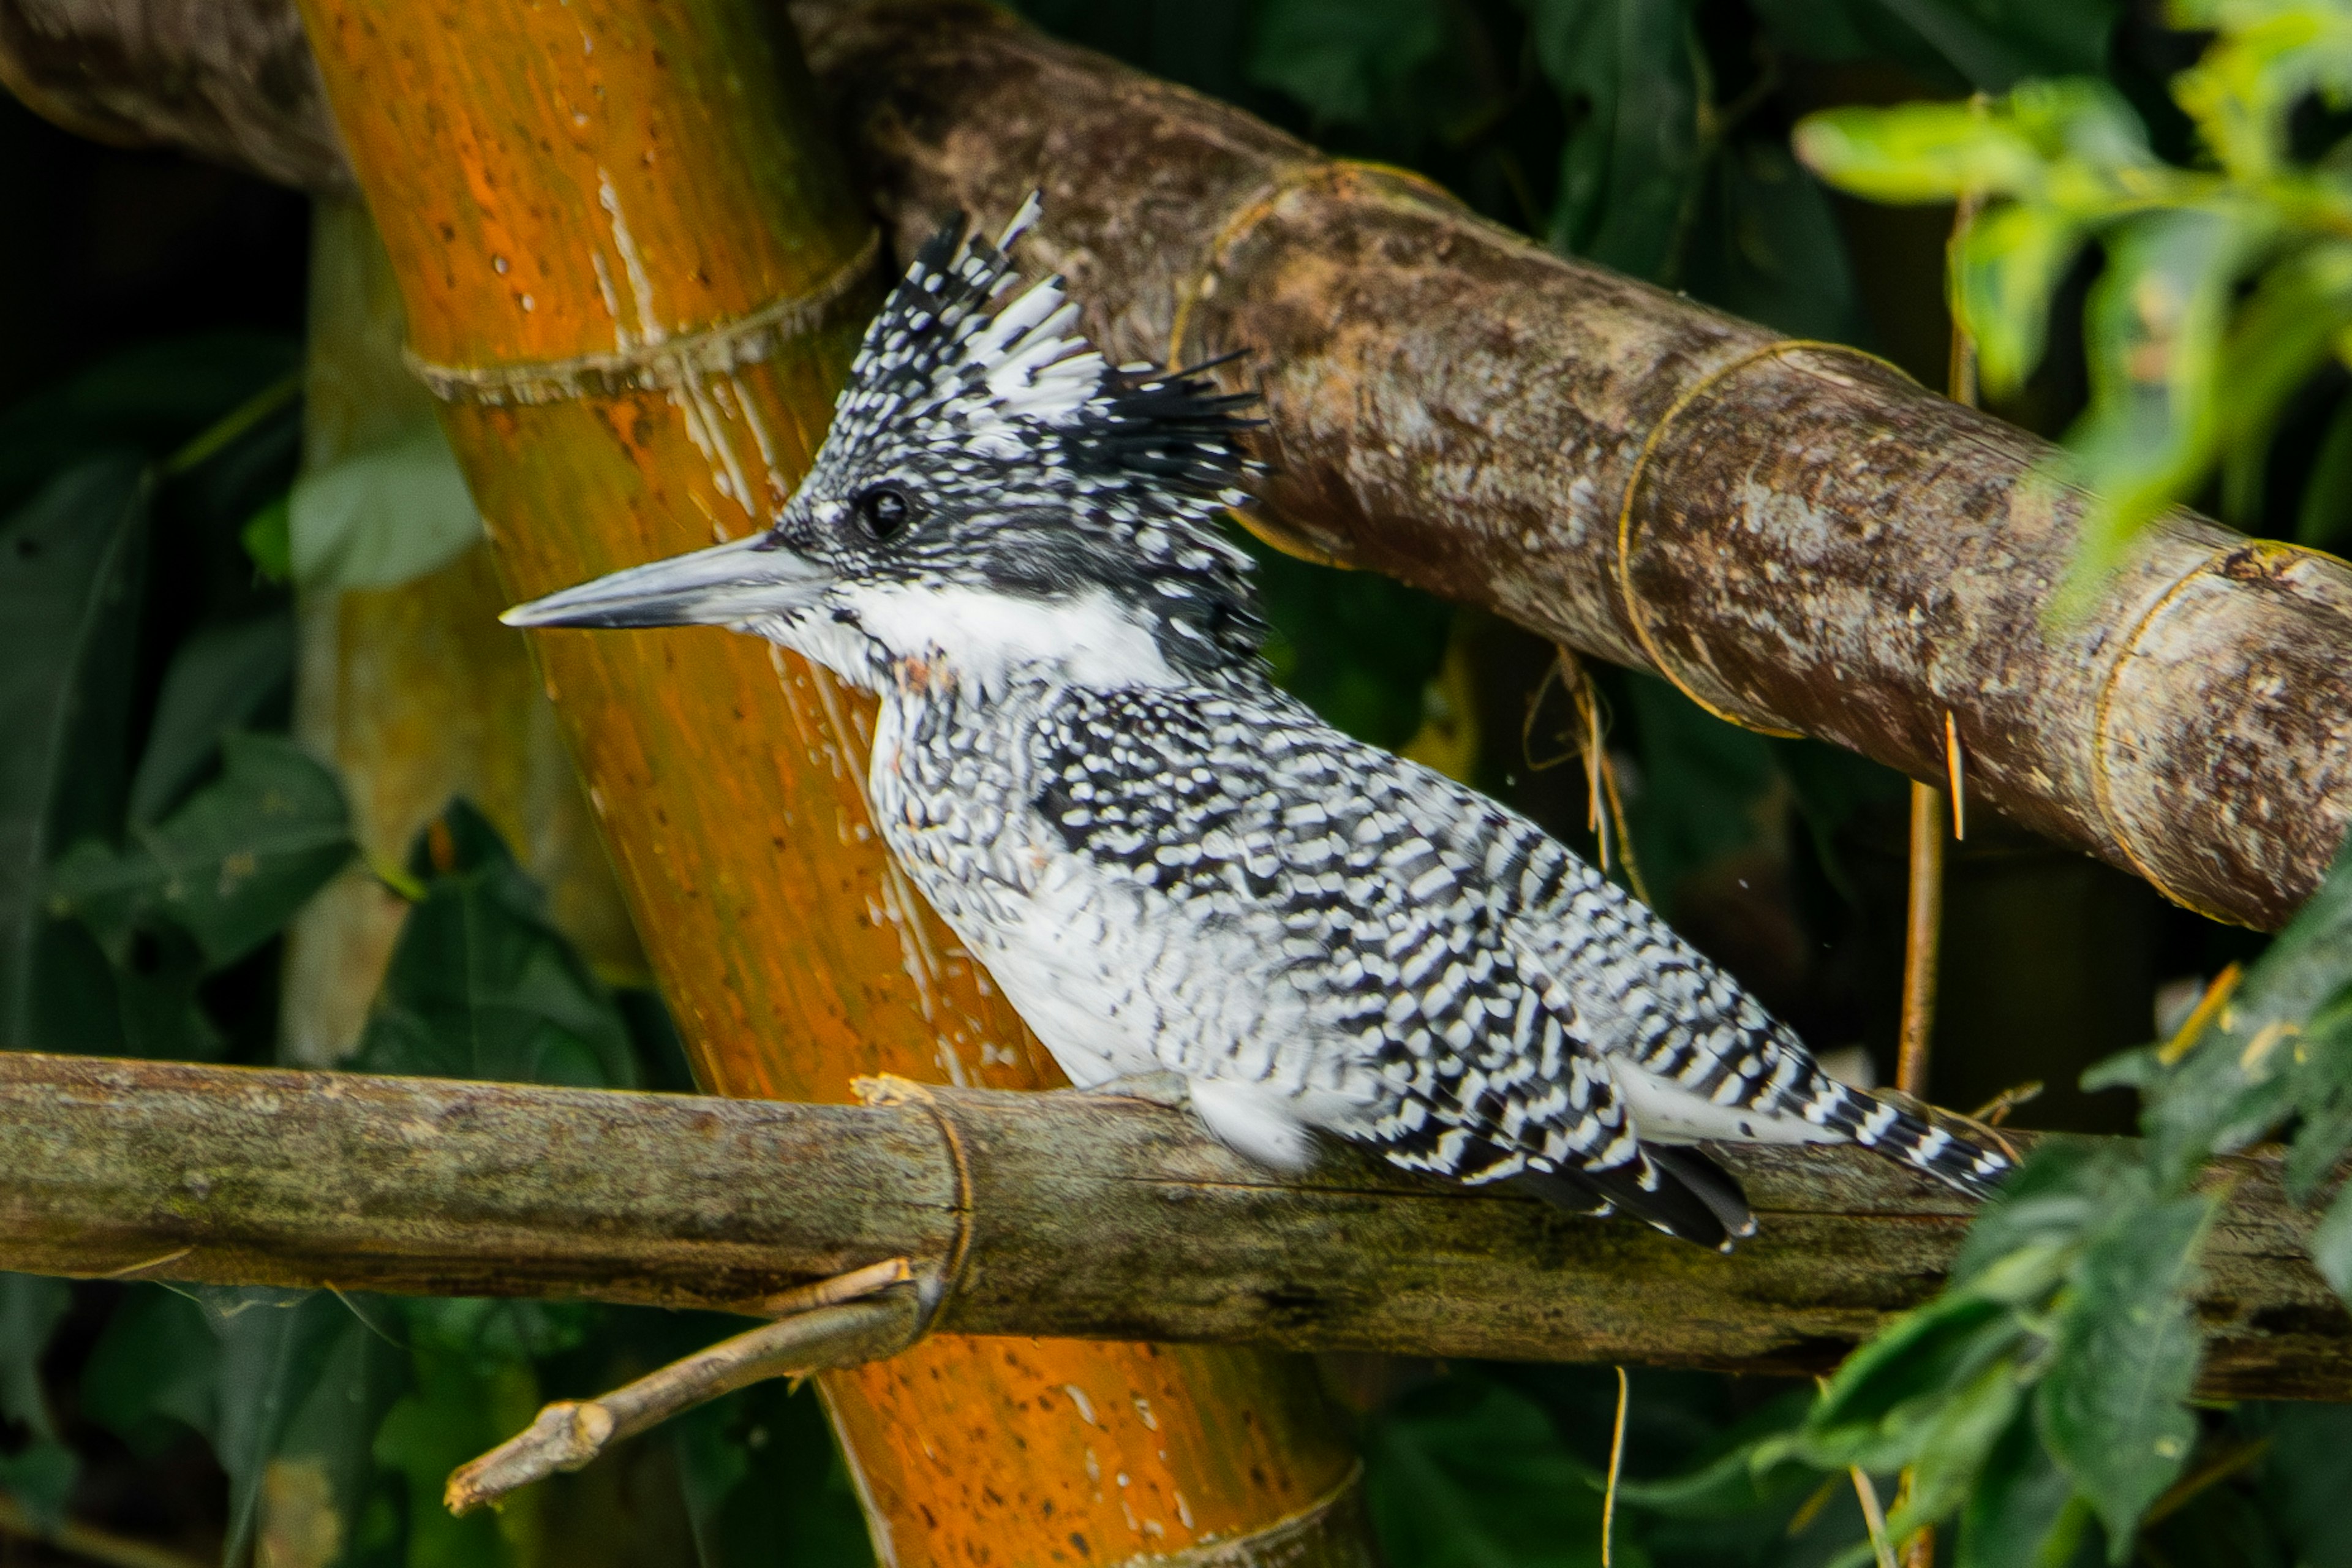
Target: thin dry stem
1872,1516
570,1433
1616,1464
1923,932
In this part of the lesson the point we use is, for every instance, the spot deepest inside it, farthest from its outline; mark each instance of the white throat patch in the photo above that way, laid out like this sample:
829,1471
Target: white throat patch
984,638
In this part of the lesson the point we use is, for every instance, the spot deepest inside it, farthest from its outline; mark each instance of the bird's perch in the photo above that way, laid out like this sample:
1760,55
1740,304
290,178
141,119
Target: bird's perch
1801,538
1033,1214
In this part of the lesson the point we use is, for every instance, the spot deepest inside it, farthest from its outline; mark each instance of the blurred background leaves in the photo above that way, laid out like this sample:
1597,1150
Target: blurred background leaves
208,417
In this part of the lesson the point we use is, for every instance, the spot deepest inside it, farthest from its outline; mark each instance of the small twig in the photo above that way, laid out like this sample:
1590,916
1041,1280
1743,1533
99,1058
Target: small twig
1995,1111
1919,1551
132,1270
1625,834
1873,1517
2208,1008
570,1433
1923,931
1811,1509
89,1541
840,1287
1616,1464
1956,769
2218,1467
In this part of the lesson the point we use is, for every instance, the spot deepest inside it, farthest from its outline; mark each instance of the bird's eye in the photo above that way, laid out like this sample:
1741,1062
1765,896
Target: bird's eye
884,512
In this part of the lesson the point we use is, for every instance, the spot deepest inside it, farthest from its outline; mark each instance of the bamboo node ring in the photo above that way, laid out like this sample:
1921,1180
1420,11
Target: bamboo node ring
887,1090
2102,712
677,361
1246,215
1690,394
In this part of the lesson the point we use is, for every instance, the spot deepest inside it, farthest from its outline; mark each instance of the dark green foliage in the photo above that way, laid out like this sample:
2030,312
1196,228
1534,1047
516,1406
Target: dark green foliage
482,986
1359,649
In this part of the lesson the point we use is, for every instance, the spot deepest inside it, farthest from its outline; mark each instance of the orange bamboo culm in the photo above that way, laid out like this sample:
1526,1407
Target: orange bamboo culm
635,273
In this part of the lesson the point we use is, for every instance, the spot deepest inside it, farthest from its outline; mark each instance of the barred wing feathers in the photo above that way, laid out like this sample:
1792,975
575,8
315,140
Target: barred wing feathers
1471,1055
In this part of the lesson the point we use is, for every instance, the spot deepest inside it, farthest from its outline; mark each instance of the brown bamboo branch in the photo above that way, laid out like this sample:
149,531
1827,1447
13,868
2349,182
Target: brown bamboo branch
1086,1216
1800,537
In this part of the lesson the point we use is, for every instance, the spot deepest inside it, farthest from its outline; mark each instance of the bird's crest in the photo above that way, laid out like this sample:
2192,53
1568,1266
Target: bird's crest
961,365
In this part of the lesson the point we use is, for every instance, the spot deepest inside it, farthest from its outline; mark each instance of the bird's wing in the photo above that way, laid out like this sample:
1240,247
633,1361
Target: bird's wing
1717,1064
1269,822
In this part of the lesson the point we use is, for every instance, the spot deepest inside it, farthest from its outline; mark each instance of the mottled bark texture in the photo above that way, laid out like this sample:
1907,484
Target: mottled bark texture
231,81
1799,537
1064,1213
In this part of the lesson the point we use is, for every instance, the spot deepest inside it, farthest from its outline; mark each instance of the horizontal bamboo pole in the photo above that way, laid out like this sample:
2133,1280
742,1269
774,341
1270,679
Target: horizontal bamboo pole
1064,1213
1800,537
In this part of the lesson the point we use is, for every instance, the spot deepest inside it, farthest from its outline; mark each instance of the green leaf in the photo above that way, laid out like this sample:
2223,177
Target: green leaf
2280,336
1986,44
2323,1101
382,515
2155,331
1358,647
268,539
488,1333
1467,1474
41,1476
2112,1407
1920,153
1766,246
303,1385
2306,1477
2324,516
1886,1400
454,1413
31,1306
1630,170
481,985
2062,1191
155,1369
2005,268
150,399
2022,1512
72,561
764,1482
230,868
2278,1048
218,681
1349,61
1954,1442
1708,787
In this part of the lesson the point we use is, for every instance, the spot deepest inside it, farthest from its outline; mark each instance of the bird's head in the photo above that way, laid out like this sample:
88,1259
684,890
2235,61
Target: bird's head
993,499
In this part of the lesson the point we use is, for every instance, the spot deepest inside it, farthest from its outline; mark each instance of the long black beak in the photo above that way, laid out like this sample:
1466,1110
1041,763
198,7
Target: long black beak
725,585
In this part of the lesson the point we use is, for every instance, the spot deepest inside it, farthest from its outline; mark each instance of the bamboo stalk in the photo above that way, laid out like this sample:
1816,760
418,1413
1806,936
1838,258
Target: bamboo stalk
1074,1214
634,271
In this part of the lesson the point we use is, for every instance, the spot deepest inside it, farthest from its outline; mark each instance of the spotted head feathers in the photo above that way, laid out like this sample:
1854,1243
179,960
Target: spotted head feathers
992,496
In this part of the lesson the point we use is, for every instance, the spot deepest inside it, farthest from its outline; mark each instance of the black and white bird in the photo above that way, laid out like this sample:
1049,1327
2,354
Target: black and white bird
1166,863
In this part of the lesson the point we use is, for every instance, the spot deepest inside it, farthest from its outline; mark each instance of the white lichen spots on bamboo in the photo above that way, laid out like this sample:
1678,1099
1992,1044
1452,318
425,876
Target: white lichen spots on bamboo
779,489
1086,1408
632,263
612,300
1183,1510
1144,1413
